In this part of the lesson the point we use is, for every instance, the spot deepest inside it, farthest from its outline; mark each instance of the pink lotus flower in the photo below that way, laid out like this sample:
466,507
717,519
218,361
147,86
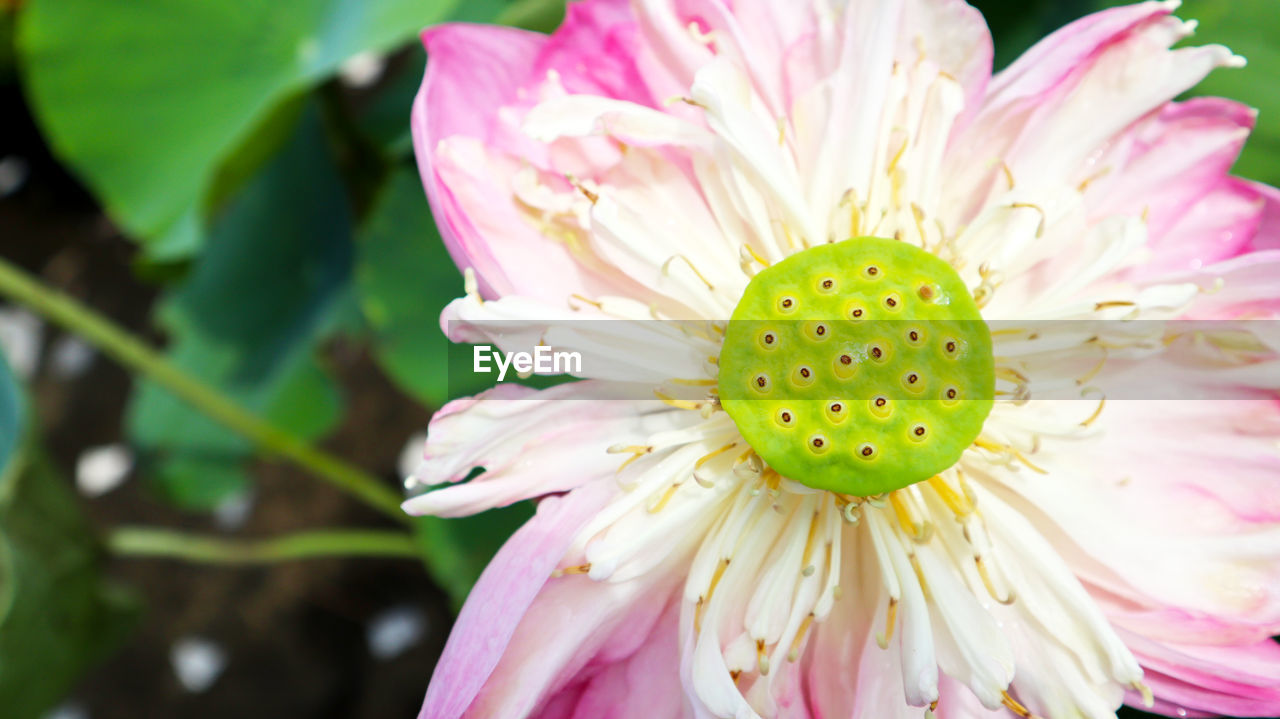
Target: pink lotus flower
666,158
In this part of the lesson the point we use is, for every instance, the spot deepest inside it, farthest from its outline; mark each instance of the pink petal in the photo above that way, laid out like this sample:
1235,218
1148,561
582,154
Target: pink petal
1244,252
530,443
640,685
1173,506
1268,237
594,50
1217,226
1240,680
472,72
466,128
499,600
574,627
1222,685
1164,165
957,702
1066,98
1050,61
842,650
954,35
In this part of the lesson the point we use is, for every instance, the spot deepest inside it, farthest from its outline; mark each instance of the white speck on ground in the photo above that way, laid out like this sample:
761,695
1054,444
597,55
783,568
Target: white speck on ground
197,662
20,335
362,69
13,174
394,631
70,357
68,710
234,511
101,469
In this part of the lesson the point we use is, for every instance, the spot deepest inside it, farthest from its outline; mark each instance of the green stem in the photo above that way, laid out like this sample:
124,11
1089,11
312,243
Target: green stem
129,351
164,543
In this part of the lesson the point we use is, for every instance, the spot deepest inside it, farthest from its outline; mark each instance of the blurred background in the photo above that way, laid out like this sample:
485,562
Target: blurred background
233,183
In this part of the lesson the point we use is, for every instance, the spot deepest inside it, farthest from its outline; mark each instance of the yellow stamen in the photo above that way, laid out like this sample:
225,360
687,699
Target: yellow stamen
677,403
1037,208
580,298
958,504
756,255
1023,458
808,544
666,497
1015,707
891,621
1102,402
794,652
694,382
1008,174
989,583
579,569
666,266
918,531
1148,699
712,455
1112,303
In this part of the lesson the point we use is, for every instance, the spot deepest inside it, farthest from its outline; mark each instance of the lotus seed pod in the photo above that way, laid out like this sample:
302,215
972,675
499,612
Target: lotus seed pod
859,367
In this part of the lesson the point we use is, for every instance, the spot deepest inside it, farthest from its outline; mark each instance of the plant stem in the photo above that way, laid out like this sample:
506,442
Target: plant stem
135,355
164,543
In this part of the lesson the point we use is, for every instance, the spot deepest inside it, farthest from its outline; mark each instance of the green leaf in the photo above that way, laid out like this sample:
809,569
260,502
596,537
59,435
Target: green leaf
57,614
248,319
456,551
538,15
7,20
404,278
385,119
146,99
1018,24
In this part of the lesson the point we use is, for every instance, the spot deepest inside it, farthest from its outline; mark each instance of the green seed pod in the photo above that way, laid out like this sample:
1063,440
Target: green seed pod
859,367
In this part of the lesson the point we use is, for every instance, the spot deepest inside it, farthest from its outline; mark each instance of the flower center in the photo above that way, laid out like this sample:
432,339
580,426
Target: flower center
859,367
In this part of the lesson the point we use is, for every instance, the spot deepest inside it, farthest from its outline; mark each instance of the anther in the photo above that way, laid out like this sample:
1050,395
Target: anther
579,569
1016,707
